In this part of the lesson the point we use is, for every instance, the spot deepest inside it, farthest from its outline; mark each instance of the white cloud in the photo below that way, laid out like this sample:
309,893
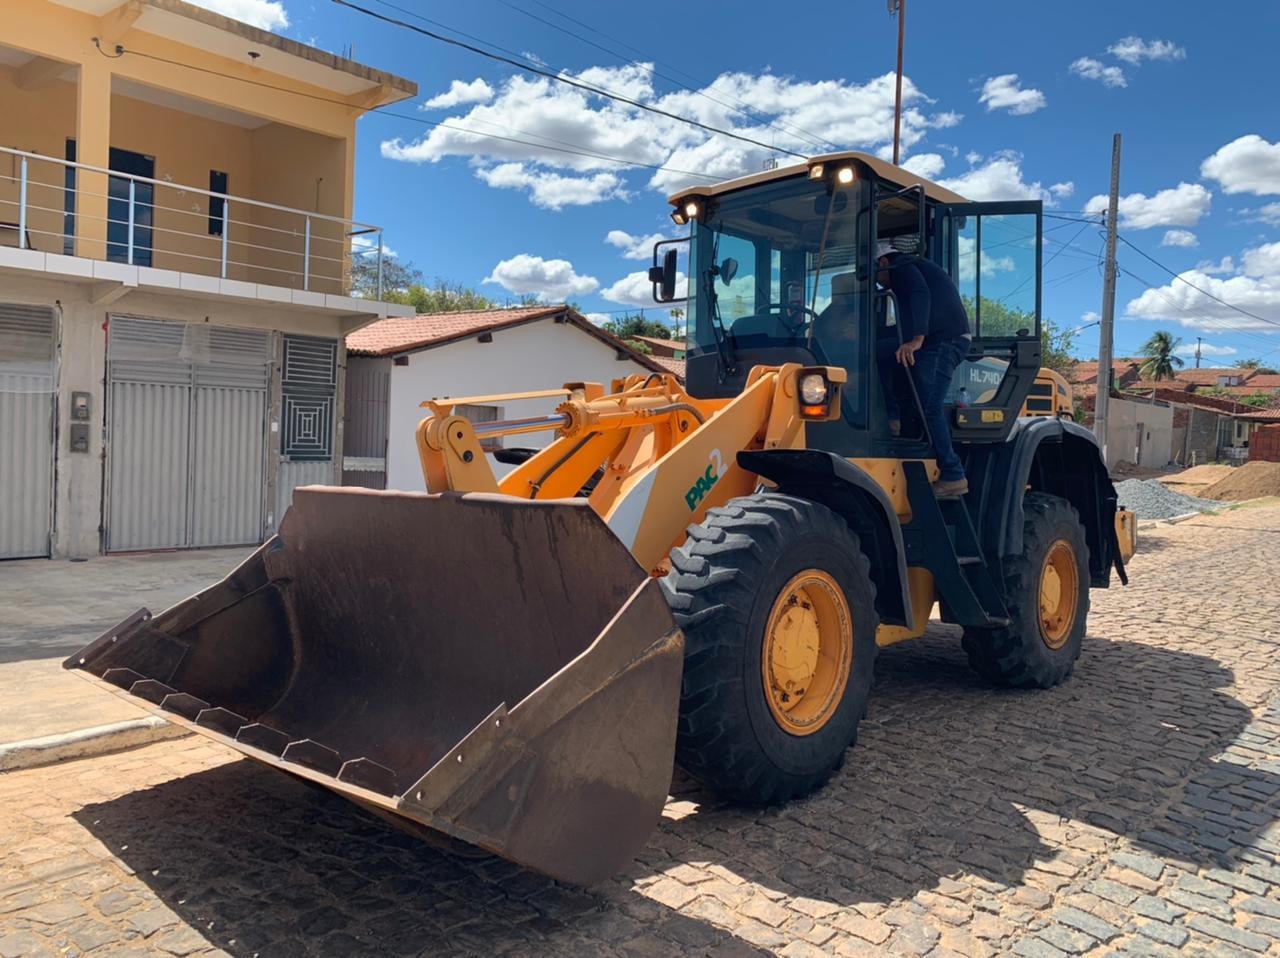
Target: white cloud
1224,267
1089,317
1269,214
551,280
1263,261
553,191
928,165
1184,238
1135,49
596,319
1255,287
1206,349
635,289
991,265
1062,191
263,14
1091,69
477,91
1000,178
634,247
551,118
1004,93
1183,205
1246,165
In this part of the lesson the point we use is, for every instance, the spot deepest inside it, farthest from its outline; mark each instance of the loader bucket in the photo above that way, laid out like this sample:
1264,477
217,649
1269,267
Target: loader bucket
498,670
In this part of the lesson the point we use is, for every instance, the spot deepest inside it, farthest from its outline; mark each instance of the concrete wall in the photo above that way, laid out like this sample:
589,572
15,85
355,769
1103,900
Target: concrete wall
301,156
1126,420
538,355
1199,440
82,367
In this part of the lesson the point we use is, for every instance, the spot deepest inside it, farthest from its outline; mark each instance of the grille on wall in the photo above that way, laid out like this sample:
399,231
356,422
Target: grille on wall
308,384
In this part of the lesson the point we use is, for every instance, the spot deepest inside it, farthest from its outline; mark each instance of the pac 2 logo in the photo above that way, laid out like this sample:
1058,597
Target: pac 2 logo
698,491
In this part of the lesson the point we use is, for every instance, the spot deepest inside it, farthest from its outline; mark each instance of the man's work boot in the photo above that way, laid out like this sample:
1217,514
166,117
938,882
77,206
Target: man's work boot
950,488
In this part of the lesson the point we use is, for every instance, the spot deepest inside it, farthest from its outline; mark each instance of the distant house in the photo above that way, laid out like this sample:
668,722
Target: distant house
667,348
395,364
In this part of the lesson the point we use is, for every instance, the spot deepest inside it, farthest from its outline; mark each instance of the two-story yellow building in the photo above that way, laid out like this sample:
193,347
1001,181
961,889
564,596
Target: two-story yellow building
178,256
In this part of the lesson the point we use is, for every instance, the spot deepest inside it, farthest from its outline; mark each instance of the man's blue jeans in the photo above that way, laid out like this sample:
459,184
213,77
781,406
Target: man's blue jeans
934,367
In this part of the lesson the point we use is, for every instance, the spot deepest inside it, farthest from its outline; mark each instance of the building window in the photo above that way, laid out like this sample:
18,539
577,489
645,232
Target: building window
69,202
479,414
217,184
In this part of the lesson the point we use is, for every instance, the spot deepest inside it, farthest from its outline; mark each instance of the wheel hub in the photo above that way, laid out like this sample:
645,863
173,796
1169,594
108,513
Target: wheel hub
807,652
1059,585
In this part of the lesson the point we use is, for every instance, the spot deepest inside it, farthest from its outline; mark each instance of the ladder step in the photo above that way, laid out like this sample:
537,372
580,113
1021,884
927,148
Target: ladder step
969,560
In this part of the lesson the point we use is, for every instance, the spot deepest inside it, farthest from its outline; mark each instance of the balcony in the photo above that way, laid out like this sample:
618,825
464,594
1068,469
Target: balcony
123,230
168,231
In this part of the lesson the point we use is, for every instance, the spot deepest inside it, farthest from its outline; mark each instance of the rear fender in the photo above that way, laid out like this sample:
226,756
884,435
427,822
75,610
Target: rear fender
1058,457
852,494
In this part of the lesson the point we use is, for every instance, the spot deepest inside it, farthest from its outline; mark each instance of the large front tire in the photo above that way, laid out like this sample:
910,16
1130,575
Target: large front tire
778,610
1046,590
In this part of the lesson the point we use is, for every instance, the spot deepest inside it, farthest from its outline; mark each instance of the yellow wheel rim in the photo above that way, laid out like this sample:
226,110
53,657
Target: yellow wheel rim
808,651
1059,590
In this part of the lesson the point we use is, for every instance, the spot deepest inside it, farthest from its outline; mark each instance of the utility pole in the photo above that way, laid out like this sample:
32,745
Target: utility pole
1199,340
1108,306
898,7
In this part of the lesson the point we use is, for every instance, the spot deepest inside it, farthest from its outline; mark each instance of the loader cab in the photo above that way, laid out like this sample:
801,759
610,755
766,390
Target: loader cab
781,269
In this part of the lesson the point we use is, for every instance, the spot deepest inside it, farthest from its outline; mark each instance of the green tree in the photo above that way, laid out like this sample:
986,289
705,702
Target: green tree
631,325
1259,400
397,276
1160,362
442,296
1254,364
997,319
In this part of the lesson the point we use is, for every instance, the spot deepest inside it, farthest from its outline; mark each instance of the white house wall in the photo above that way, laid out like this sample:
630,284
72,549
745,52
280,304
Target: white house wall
538,355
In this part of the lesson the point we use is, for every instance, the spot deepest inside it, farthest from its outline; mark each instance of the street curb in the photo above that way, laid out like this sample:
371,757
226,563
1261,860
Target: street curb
86,743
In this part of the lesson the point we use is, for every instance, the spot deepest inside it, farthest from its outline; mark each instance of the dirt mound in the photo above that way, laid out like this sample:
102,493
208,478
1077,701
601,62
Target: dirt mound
1250,481
1198,475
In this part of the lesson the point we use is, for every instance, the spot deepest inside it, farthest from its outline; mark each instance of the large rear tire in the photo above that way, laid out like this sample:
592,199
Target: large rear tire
778,610
1046,590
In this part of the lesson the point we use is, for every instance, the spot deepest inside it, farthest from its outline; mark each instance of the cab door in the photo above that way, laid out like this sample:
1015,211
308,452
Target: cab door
993,253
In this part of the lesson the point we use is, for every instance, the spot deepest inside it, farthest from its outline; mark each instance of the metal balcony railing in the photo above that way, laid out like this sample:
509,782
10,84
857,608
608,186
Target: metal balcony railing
156,222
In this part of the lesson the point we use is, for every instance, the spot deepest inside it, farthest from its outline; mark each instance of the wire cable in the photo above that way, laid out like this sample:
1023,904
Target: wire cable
567,80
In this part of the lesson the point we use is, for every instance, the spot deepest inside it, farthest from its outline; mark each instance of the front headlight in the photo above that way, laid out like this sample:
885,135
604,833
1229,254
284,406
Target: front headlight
813,389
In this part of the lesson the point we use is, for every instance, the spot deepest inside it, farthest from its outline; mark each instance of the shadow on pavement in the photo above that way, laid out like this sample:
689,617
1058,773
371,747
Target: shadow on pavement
949,778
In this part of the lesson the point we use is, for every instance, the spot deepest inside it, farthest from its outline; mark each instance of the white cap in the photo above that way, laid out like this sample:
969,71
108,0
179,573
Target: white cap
884,248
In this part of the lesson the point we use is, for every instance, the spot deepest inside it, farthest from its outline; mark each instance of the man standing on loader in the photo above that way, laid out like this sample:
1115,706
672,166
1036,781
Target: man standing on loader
935,340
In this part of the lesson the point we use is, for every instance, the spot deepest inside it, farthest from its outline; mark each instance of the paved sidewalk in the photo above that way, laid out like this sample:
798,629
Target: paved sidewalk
1135,810
52,608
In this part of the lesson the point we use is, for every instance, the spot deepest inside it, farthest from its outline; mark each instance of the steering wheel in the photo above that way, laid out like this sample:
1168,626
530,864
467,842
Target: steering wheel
787,312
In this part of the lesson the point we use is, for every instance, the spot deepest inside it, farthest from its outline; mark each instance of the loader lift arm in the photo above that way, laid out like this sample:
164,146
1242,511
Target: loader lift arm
660,457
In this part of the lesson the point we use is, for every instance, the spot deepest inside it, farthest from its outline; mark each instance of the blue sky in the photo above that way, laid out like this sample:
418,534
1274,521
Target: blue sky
1005,100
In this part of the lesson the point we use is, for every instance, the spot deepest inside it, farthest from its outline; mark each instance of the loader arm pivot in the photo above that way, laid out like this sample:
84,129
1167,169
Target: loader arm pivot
649,458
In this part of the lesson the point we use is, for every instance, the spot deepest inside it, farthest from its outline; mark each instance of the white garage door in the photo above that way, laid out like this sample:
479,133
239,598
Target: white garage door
26,429
186,434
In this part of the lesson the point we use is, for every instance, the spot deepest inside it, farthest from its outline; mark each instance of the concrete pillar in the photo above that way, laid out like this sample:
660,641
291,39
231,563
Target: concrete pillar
93,148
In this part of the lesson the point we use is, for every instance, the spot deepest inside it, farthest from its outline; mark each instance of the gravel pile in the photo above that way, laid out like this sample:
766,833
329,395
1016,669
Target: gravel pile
1153,500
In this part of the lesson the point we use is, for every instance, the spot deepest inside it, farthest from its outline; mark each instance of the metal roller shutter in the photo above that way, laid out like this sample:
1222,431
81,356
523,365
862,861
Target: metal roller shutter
27,347
186,434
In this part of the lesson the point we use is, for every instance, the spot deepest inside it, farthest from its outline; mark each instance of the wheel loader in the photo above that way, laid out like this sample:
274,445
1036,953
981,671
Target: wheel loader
698,573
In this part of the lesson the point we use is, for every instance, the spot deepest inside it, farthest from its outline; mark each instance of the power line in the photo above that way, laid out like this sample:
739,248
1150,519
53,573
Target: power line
1217,324
568,81
744,108
1198,289
383,111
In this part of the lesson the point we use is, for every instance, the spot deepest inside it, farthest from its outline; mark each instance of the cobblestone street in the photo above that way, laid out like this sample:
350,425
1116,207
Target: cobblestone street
1133,810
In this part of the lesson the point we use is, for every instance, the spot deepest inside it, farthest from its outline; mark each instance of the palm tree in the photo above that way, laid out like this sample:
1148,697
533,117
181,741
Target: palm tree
1160,361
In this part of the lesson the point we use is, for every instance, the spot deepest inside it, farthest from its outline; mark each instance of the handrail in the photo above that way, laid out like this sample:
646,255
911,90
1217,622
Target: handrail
366,227
140,232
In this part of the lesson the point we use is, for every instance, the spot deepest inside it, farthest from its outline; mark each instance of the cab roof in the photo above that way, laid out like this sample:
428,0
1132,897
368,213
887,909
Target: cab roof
886,171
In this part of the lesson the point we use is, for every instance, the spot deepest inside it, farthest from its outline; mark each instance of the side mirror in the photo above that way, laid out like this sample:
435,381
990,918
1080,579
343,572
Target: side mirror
663,277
